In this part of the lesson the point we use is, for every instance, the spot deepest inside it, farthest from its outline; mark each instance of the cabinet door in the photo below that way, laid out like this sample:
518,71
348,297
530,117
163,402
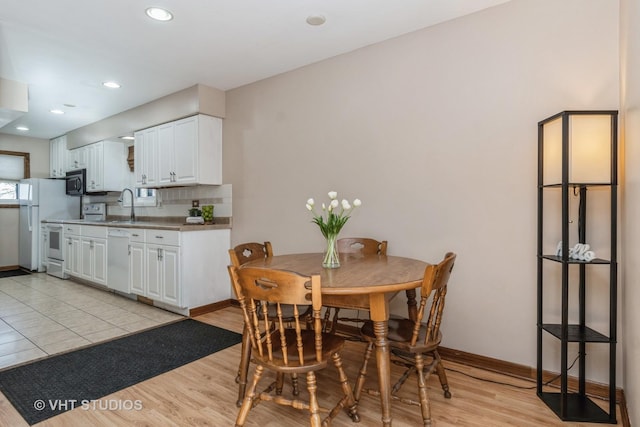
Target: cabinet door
86,263
139,151
69,258
75,267
68,262
166,154
171,275
153,271
58,157
186,151
53,158
77,158
136,268
146,157
99,260
95,168
72,160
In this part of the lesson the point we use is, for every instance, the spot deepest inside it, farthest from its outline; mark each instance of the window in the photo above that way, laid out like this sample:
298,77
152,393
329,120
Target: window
14,166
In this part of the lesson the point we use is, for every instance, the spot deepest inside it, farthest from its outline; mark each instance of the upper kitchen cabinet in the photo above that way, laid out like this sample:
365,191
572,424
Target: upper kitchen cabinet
106,165
58,157
77,158
183,152
146,157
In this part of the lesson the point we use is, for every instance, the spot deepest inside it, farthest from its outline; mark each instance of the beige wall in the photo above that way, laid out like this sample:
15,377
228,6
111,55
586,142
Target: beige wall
436,132
39,156
630,69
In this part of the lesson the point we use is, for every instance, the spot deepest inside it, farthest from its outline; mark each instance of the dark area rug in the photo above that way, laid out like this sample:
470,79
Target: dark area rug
11,273
48,387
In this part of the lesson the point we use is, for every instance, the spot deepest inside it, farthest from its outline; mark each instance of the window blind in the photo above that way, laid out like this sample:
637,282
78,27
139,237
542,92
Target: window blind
11,167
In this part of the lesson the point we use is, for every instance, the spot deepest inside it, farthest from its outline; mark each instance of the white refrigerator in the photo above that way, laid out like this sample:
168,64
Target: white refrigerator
41,199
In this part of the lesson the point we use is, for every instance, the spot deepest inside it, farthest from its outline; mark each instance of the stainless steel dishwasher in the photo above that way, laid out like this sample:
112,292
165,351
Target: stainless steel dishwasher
118,259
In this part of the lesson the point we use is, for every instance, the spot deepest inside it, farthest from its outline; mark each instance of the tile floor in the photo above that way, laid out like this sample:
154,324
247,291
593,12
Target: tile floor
42,315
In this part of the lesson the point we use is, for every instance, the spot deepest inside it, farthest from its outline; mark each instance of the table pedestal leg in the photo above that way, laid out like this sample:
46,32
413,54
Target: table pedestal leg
380,315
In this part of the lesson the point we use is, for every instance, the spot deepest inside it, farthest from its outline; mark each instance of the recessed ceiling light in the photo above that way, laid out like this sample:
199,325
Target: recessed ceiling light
22,128
316,20
56,111
111,85
159,14
128,138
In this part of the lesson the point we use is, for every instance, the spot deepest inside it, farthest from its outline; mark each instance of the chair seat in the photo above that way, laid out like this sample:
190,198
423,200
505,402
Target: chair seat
400,334
330,345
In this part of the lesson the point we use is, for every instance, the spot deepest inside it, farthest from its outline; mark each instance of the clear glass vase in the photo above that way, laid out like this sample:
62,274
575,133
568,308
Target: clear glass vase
331,256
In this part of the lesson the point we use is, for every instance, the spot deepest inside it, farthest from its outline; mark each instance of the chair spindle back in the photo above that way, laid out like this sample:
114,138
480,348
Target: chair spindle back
436,278
263,292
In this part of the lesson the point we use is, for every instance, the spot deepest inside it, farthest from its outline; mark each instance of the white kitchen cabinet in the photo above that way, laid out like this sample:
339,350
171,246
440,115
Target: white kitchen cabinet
186,152
106,166
105,162
58,157
163,274
94,260
72,254
95,170
146,157
136,263
86,252
166,154
170,276
178,270
163,266
77,158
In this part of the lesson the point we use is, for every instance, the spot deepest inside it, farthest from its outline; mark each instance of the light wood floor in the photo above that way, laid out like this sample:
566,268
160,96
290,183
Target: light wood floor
203,393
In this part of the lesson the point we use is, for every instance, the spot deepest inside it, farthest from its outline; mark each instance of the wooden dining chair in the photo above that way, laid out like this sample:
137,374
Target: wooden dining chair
283,349
411,340
352,245
240,255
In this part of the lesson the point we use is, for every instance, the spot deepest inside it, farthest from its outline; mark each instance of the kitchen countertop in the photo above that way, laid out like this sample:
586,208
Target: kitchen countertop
157,223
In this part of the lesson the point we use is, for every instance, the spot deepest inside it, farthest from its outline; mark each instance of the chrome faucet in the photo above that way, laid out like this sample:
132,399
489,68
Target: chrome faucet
132,218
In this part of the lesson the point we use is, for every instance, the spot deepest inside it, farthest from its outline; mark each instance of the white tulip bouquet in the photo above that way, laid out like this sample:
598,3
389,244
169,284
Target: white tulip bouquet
337,214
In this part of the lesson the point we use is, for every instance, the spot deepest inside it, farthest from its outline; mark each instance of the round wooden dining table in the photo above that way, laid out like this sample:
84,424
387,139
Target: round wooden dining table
363,282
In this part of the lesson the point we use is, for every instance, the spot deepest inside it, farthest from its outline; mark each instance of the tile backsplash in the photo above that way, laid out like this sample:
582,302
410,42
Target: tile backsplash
172,202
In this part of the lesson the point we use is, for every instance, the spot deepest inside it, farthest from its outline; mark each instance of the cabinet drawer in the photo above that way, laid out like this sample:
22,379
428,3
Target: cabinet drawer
163,237
94,231
72,229
137,236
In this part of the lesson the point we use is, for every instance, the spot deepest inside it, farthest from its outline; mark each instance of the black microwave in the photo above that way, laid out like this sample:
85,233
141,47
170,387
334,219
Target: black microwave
77,182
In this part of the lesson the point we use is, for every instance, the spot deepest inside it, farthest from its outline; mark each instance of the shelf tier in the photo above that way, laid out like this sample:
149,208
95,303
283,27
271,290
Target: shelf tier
576,261
579,408
577,333
578,184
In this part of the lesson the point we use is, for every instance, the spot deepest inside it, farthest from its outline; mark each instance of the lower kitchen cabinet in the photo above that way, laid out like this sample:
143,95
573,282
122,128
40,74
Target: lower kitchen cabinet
72,256
86,252
163,273
183,270
178,270
93,248
136,267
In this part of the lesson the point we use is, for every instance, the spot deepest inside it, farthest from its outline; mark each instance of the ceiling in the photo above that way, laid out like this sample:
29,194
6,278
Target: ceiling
64,49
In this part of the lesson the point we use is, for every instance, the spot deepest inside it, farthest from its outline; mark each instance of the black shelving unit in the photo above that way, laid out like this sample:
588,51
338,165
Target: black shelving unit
575,405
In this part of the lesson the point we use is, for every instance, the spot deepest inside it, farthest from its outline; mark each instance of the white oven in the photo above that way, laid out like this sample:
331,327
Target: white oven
54,250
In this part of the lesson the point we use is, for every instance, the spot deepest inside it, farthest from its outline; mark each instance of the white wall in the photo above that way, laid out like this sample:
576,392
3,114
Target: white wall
630,69
436,132
9,217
